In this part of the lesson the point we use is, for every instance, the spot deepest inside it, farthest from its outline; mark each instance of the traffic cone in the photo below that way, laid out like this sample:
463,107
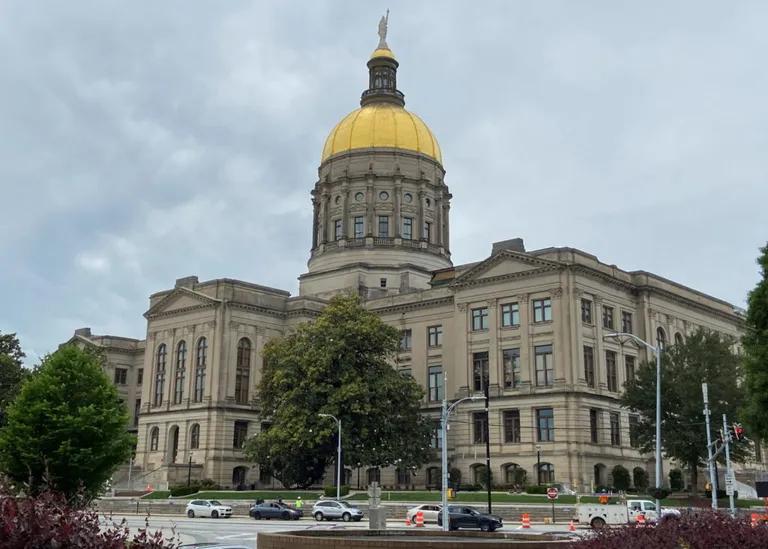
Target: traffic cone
571,527
526,520
641,519
420,519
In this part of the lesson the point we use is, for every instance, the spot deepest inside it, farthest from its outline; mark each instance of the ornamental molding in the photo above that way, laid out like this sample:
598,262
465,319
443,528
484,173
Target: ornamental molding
471,277
158,310
258,309
414,305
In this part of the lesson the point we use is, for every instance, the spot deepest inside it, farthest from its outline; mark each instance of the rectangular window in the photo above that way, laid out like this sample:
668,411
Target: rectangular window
241,433
542,310
136,412
382,282
480,319
435,336
121,376
544,366
545,425
629,367
626,322
383,226
427,231
594,437
511,425
435,383
608,317
633,423
338,229
586,311
610,371
479,427
140,376
615,430
408,228
479,371
406,340
511,359
510,314
589,365
436,441
359,226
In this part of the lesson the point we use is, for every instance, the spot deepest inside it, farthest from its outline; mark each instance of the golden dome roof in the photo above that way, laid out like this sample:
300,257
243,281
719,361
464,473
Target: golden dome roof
382,52
381,125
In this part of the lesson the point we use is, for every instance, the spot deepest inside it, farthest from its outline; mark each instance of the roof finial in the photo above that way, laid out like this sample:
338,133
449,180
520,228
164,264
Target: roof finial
383,32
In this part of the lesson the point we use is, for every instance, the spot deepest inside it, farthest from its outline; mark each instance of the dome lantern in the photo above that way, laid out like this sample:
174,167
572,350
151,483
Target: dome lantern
382,73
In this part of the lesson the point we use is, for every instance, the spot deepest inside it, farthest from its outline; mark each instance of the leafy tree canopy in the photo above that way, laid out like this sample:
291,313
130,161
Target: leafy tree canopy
67,428
705,356
12,372
10,347
755,344
339,364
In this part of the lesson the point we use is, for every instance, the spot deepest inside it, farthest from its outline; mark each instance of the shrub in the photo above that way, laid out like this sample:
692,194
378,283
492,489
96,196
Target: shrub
659,493
454,476
536,489
184,490
620,478
703,530
330,491
721,494
48,521
207,484
676,480
640,478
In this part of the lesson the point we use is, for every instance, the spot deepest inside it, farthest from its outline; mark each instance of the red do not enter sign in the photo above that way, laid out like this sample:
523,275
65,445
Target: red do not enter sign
552,493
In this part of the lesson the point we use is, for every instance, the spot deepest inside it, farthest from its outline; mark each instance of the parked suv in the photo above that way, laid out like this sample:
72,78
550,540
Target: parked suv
329,509
208,508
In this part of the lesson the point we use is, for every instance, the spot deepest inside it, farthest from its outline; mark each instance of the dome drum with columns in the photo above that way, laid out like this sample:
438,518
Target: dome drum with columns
381,206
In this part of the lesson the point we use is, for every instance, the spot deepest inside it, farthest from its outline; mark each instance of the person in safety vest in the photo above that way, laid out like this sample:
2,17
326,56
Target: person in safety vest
299,503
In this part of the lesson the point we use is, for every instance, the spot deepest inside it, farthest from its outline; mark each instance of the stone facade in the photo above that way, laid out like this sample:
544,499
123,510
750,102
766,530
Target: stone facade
533,323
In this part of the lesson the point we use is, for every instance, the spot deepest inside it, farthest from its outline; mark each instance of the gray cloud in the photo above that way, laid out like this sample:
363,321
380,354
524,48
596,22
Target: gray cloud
145,141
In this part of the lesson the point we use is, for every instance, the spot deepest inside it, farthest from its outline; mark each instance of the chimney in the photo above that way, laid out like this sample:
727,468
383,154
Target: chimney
84,332
514,245
188,282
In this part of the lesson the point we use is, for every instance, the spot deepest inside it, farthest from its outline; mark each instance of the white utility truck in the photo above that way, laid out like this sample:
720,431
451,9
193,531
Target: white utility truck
598,515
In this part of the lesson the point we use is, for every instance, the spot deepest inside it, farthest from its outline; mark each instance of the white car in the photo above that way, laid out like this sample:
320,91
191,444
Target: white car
430,511
208,508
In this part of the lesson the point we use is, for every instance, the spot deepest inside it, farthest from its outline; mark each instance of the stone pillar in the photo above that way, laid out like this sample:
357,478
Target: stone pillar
419,233
325,202
370,201
447,228
345,209
315,221
438,218
398,197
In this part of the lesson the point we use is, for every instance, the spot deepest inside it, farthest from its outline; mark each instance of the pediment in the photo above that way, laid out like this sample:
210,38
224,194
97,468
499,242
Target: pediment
181,300
503,265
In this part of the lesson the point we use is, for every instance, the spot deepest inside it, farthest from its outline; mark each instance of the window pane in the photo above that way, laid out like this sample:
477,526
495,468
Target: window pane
480,370
479,423
405,340
480,319
593,429
511,358
589,366
383,226
435,336
610,371
586,311
544,365
608,317
359,227
408,228
542,310
511,426
435,383
510,314
545,424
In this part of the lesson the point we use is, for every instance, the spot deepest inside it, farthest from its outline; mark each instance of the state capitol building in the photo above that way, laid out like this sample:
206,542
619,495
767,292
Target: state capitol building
531,322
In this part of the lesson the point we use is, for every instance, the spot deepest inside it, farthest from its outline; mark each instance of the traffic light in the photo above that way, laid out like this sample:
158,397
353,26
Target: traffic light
738,432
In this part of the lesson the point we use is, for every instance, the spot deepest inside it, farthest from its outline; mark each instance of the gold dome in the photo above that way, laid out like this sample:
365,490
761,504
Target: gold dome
381,125
382,52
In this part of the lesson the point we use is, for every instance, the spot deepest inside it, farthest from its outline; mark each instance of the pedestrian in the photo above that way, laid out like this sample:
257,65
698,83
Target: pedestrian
280,500
299,503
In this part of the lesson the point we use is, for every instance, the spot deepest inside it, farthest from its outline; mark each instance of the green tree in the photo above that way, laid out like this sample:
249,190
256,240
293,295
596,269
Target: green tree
620,476
67,428
339,364
640,479
755,342
12,372
705,356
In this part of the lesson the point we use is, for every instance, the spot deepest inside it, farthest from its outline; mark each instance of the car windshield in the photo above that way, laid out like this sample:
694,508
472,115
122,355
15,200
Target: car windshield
214,502
650,506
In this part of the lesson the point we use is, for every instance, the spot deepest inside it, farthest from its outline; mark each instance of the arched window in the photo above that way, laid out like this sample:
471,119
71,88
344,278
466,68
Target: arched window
154,438
514,474
599,471
678,338
238,476
181,367
546,473
661,337
160,374
194,437
478,473
202,358
243,373
173,435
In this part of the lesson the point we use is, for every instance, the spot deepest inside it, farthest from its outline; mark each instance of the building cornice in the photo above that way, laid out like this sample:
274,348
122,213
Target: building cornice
413,305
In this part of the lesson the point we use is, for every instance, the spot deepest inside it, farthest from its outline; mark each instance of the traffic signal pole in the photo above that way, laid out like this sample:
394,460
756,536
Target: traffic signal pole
728,469
710,458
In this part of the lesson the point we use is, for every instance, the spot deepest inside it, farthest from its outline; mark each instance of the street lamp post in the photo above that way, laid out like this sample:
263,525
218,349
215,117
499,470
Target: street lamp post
338,457
446,411
538,465
656,351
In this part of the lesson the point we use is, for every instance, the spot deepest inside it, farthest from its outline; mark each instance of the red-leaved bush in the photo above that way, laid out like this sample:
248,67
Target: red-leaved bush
48,521
701,530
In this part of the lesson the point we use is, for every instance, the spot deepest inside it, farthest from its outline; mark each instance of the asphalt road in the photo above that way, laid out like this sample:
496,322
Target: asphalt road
244,531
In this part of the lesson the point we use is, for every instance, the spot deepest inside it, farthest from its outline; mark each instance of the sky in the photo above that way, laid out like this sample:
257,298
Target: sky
145,141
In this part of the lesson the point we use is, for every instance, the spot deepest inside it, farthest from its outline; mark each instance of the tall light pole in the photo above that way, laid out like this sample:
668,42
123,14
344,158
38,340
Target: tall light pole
444,450
338,457
538,465
622,336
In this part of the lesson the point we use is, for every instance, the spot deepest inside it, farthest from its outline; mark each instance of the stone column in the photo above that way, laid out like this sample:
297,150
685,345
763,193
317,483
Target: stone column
447,228
438,218
369,205
345,209
397,222
315,221
325,201
420,219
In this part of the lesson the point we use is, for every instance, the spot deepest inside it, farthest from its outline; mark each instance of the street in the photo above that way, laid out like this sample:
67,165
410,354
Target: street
244,531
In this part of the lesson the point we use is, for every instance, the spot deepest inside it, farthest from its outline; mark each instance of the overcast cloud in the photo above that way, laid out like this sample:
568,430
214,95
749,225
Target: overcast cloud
144,141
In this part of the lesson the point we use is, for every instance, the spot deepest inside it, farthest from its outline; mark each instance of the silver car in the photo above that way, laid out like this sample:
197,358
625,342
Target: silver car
208,508
330,509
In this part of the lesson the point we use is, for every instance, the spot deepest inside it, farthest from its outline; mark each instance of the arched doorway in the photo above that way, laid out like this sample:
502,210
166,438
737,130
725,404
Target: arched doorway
238,477
599,475
173,448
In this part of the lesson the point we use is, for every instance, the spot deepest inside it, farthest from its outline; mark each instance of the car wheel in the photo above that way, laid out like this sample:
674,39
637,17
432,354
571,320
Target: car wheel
485,527
346,517
318,516
491,528
257,516
214,514
597,523
191,513
285,515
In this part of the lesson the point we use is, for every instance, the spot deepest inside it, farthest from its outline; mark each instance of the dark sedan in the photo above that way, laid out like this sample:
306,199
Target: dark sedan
274,510
462,516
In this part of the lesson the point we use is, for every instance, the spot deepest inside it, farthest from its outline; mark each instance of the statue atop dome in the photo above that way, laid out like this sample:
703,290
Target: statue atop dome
383,32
